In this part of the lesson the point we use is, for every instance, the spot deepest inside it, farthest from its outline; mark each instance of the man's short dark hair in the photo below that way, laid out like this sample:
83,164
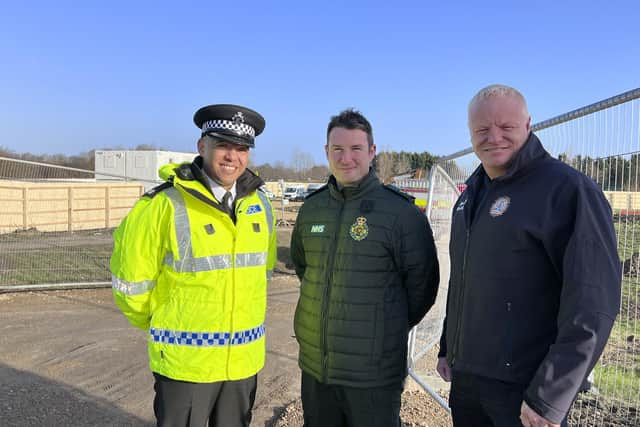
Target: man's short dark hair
351,119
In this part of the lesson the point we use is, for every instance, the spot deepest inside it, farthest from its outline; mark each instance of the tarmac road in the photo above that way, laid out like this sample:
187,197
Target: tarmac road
69,358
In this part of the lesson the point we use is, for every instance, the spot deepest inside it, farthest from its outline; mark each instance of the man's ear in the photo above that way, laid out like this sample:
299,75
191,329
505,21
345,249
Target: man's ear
201,143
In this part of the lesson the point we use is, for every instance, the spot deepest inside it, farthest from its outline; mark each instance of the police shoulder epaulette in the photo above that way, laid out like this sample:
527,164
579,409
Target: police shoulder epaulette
399,192
184,172
317,191
157,189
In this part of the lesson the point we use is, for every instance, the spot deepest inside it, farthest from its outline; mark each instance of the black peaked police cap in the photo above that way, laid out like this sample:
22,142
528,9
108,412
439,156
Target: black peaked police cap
231,123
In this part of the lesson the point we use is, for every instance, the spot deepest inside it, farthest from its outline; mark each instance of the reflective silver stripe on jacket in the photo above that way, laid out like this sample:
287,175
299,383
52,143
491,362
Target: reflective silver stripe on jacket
251,259
215,262
183,233
132,288
269,213
196,265
267,209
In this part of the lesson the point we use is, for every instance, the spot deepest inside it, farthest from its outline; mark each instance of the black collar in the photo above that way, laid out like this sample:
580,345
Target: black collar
369,182
531,152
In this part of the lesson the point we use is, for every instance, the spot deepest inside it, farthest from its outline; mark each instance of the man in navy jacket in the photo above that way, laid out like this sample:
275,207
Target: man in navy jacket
535,276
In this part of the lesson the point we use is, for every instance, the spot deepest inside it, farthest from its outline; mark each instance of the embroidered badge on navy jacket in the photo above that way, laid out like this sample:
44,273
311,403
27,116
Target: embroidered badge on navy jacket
500,206
461,205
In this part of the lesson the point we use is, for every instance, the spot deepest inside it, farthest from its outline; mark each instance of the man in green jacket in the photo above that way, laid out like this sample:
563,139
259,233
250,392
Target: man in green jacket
367,263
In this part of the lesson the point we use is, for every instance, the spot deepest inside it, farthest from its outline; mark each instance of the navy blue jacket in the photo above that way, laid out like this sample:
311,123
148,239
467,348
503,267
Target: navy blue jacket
535,279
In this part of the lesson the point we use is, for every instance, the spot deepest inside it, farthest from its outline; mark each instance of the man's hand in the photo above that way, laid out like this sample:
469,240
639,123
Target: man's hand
443,369
530,418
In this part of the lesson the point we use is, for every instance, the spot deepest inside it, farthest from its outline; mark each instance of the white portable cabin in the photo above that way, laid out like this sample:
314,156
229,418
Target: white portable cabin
136,165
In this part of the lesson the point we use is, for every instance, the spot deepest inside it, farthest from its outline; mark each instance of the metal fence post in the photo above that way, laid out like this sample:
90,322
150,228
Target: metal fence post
70,209
25,207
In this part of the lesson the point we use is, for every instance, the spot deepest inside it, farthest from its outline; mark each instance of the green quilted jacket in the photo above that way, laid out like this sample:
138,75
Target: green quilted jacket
369,272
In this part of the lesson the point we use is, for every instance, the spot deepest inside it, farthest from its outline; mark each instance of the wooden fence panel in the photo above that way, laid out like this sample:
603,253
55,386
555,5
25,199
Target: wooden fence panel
65,206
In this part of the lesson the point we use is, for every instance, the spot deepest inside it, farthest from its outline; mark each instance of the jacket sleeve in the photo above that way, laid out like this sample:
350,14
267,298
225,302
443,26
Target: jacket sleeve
418,260
272,255
297,251
589,303
442,351
137,256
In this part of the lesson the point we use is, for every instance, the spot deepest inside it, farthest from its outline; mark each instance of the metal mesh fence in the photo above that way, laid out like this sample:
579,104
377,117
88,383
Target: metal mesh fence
605,145
56,224
601,140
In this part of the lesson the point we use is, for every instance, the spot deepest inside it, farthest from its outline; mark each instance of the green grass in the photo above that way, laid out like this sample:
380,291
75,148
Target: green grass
55,265
628,238
618,383
617,375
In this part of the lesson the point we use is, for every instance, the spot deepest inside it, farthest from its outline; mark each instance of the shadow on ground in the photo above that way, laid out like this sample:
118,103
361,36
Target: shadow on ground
284,259
31,400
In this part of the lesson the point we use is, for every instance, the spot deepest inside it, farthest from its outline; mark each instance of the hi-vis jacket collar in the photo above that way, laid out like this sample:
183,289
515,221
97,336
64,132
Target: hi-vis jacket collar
191,176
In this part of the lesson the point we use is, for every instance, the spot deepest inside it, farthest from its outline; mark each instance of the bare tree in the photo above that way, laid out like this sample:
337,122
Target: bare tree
319,173
391,163
402,163
384,166
301,162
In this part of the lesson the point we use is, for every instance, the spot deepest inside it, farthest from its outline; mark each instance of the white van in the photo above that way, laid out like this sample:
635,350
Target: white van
293,193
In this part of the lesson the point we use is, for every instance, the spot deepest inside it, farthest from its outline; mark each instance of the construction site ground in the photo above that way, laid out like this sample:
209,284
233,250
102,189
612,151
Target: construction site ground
69,358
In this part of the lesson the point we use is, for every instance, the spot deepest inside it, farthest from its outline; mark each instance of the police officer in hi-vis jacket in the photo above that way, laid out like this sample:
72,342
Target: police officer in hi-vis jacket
190,266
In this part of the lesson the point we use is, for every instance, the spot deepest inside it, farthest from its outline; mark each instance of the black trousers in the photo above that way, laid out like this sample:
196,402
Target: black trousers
339,406
478,401
223,404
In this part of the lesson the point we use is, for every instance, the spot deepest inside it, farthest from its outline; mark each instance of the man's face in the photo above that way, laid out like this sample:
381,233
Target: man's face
349,155
499,127
223,162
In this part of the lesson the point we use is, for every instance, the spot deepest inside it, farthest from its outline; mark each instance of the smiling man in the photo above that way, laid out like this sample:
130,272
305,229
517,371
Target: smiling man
499,126
190,267
367,263
535,276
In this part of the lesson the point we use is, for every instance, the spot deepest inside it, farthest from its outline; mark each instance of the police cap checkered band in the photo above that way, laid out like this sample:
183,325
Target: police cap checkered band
224,125
232,123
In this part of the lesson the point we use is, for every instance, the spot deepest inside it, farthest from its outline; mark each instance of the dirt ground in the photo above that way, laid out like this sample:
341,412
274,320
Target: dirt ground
69,358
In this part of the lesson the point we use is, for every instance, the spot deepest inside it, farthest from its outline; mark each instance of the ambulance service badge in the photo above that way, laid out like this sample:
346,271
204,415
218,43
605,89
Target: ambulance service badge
359,229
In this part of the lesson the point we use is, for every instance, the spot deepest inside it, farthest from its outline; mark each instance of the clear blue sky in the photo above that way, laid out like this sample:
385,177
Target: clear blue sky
77,76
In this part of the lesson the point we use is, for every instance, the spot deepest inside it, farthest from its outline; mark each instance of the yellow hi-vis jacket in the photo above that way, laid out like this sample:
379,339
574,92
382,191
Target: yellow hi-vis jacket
197,282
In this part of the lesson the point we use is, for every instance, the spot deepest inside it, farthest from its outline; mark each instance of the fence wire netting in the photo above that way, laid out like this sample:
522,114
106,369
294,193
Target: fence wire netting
56,223
602,141
605,145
